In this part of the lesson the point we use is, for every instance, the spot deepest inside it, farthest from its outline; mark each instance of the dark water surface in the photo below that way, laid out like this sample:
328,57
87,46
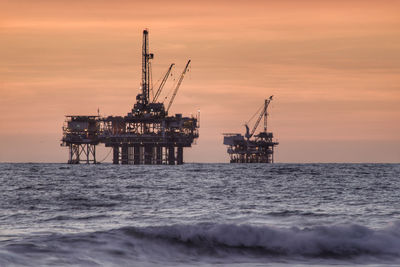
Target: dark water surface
200,215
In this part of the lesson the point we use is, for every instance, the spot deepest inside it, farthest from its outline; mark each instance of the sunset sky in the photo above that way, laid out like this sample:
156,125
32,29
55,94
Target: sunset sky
332,66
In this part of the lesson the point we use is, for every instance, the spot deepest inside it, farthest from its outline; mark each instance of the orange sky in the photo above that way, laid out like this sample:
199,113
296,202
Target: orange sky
333,67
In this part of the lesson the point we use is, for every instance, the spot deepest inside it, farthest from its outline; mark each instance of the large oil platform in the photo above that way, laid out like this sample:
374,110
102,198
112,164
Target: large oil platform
146,135
252,148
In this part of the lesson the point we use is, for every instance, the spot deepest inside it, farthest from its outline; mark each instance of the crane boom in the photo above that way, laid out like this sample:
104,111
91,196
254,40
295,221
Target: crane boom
164,80
264,114
178,85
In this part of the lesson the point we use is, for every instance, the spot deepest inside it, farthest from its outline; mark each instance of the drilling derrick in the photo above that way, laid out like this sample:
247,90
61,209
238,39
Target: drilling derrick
147,135
252,148
143,98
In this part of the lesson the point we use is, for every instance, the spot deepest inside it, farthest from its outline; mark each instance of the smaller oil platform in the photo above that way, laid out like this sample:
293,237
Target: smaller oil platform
252,148
146,135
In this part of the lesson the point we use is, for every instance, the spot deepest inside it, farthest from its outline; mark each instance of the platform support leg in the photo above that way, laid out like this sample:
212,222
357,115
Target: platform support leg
136,155
159,155
148,154
124,154
171,155
179,156
115,154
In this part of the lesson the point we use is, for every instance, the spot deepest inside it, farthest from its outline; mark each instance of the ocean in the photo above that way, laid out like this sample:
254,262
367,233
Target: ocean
200,215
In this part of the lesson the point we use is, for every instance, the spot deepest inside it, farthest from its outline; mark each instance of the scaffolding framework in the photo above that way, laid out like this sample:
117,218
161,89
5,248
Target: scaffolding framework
77,150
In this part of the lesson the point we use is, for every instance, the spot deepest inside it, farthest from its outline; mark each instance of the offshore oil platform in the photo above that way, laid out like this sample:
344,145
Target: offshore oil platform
146,135
252,148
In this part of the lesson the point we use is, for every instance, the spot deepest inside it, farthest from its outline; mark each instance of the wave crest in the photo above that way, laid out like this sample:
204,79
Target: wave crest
208,243
342,241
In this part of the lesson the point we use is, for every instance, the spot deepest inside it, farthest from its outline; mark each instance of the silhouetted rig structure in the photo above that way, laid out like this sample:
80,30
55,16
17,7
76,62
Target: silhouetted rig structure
146,135
252,148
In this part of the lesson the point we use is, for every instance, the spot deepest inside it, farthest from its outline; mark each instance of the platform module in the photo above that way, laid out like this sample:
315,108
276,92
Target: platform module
252,148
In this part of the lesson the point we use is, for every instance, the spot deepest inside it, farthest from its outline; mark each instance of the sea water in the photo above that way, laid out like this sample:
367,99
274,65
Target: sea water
199,215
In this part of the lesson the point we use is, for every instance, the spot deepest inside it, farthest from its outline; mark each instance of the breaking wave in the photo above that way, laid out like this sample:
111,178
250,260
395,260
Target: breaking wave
209,243
322,241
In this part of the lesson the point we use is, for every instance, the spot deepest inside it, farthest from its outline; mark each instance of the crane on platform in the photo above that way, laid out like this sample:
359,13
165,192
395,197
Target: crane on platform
264,114
178,85
164,80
